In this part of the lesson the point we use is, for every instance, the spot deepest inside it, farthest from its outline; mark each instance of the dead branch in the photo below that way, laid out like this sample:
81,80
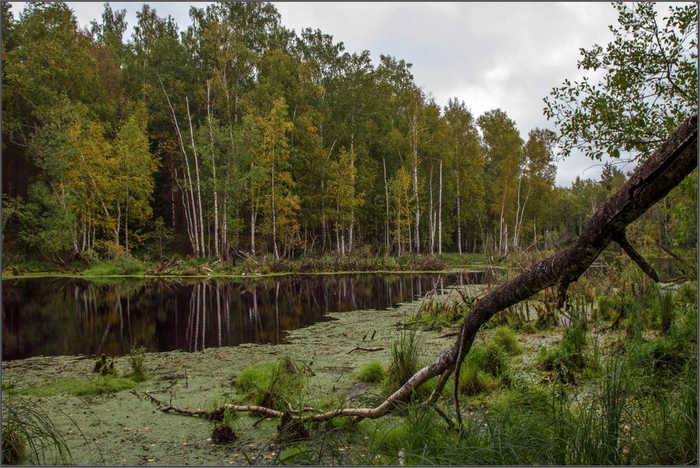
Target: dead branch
670,252
360,348
448,334
623,242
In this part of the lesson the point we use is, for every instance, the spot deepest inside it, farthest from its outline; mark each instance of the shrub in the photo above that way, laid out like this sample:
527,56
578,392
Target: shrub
136,358
372,373
604,308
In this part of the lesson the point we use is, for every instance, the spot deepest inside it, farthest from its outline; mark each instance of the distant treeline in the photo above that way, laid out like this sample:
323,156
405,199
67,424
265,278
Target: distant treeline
239,135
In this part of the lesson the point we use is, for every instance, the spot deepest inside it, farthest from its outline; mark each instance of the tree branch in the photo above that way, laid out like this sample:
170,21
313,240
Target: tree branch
623,242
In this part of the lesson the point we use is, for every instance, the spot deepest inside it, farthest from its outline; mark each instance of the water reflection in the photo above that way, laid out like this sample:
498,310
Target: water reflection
70,316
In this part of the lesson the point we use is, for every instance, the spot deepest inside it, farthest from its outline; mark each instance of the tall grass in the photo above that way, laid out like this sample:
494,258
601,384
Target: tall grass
569,357
273,384
404,359
29,435
662,307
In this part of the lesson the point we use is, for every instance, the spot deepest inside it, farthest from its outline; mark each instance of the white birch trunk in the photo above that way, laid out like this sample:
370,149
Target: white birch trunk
431,213
274,213
440,213
352,211
517,214
386,222
199,189
459,218
503,206
213,169
414,144
193,218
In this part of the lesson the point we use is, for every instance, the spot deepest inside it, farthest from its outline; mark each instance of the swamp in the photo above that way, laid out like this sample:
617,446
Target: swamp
229,238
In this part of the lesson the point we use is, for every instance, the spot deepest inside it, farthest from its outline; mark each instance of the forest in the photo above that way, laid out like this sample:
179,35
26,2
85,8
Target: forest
239,138
239,244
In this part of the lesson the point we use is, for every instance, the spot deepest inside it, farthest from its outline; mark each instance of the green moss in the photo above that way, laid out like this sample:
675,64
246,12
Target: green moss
296,455
123,266
371,373
78,387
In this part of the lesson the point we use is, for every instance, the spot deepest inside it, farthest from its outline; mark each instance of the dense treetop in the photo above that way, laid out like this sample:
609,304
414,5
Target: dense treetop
239,136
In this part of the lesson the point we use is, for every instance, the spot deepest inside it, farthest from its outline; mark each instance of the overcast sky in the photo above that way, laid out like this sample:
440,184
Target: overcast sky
490,55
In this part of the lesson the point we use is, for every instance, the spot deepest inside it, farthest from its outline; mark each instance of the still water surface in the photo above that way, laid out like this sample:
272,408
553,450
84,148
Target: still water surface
52,317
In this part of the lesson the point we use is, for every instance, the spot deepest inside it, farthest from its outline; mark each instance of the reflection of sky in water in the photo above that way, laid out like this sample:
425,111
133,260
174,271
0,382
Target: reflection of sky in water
70,316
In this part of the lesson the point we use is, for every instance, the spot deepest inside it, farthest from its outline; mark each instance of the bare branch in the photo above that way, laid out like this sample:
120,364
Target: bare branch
623,242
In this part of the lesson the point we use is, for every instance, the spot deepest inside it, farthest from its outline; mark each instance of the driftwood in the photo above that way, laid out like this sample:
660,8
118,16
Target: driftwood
448,334
360,348
652,180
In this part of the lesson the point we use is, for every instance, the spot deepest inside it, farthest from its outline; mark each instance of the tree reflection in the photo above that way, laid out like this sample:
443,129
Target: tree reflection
71,316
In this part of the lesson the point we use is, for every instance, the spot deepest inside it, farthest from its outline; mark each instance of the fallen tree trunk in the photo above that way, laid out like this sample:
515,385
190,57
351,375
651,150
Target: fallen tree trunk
652,180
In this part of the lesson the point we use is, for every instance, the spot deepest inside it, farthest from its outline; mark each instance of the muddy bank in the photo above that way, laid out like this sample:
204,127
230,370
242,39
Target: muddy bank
124,429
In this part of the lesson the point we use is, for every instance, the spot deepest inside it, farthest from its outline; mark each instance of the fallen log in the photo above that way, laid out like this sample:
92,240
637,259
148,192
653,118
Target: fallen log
653,179
360,348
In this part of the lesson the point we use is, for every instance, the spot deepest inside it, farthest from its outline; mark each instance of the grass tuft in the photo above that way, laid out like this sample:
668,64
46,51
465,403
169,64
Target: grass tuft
404,356
29,435
371,373
505,338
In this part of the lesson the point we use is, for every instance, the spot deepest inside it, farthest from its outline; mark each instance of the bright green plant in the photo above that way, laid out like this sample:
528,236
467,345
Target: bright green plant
372,373
273,384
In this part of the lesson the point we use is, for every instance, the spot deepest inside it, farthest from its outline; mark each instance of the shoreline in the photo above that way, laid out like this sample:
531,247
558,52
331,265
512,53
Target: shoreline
475,268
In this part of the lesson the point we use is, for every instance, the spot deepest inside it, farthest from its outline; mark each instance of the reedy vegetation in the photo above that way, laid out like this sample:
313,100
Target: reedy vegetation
618,402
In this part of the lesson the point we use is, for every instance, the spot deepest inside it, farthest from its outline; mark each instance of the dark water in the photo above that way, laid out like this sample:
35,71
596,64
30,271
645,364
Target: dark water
53,317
